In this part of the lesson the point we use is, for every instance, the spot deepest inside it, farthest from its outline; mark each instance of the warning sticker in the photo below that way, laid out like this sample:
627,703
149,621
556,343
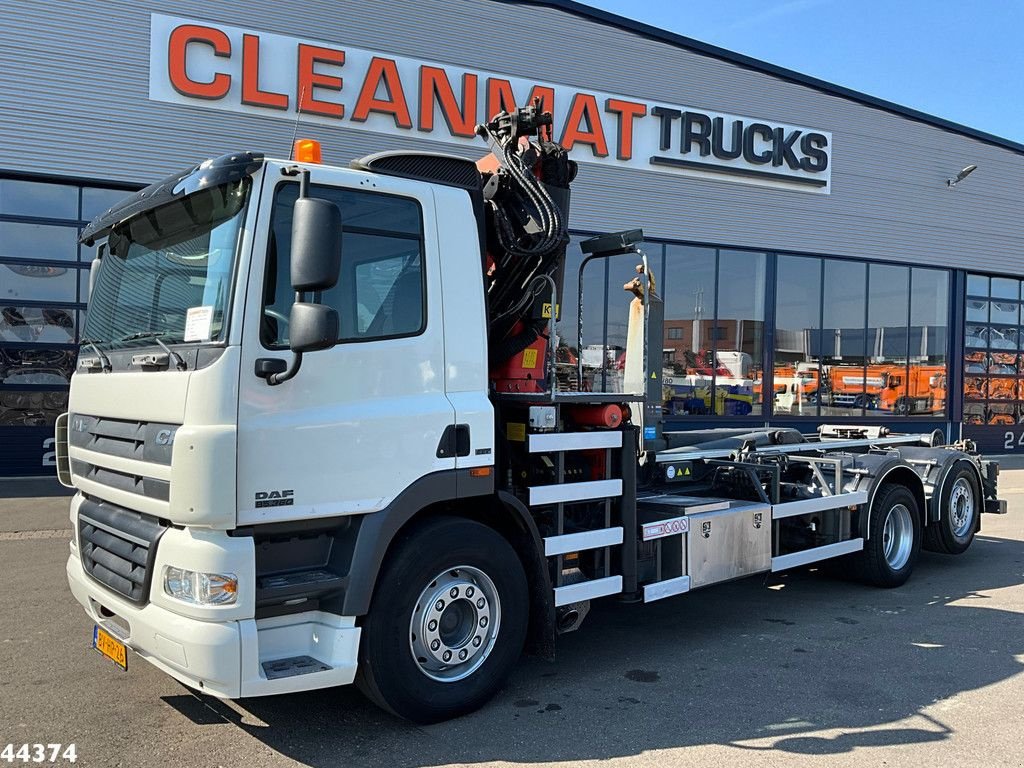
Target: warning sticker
197,323
529,358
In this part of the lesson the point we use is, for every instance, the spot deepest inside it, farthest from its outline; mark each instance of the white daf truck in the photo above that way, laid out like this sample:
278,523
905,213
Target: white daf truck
317,439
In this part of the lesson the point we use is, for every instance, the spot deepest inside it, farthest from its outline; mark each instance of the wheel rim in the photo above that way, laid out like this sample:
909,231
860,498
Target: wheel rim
897,537
455,624
961,507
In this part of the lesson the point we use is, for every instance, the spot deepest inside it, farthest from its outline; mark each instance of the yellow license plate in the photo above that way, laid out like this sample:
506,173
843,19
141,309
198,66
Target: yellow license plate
110,646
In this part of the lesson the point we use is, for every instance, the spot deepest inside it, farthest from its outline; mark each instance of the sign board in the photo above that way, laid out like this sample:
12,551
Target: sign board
213,65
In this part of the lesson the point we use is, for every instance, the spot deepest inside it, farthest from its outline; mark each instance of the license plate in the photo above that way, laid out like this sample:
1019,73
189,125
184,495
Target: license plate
110,646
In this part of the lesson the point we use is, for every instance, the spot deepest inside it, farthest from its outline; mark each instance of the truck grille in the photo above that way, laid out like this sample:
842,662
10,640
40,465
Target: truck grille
143,441
118,547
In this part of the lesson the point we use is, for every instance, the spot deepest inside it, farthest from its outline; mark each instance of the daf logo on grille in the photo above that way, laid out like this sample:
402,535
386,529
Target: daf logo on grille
165,437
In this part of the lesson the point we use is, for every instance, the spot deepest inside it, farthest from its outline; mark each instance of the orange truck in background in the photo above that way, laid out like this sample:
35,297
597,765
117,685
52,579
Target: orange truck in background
882,387
925,391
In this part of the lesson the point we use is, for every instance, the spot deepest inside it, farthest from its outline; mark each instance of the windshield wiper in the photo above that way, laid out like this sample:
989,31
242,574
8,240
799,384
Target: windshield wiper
105,364
179,361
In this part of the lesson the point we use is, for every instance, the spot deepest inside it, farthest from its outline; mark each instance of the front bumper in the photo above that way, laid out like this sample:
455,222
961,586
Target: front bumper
224,658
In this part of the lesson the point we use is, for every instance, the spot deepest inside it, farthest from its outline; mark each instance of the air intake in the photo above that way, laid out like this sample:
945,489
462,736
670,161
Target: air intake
435,167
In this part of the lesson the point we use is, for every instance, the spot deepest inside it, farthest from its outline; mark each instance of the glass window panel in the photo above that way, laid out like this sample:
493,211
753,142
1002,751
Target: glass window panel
96,200
977,285
1003,363
1002,414
976,336
739,336
36,366
568,351
622,271
36,198
34,282
797,331
1002,388
1004,312
27,408
843,338
38,241
83,285
975,387
43,325
975,362
886,378
1004,288
929,339
688,288
977,311
974,413
389,300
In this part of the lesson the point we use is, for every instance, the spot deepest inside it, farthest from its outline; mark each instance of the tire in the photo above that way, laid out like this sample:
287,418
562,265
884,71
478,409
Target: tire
959,513
888,557
457,584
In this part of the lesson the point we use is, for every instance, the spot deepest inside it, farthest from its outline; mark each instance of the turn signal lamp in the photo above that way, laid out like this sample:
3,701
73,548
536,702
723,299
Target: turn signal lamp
307,151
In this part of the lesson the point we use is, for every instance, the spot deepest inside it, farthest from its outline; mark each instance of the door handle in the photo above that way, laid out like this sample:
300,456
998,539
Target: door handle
454,441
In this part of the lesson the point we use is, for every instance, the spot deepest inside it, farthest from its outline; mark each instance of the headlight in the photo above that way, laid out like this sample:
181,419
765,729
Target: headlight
200,588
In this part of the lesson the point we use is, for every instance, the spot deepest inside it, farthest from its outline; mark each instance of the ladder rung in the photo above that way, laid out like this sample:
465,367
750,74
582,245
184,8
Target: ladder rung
567,492
818,504
666,588
587,590
782,562
573,542
574,441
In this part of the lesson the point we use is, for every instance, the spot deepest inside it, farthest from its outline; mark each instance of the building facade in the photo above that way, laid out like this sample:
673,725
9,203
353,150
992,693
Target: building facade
815,264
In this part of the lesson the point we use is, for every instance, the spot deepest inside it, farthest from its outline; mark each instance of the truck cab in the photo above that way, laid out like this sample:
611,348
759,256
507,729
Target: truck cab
174,434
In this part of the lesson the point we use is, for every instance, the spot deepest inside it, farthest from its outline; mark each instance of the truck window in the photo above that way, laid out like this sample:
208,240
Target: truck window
380,293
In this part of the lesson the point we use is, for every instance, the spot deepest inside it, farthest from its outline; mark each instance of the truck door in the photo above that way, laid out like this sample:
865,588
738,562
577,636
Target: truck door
361,421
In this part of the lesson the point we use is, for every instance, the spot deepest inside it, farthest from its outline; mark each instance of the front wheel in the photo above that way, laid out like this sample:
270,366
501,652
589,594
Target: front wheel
447,623
894,538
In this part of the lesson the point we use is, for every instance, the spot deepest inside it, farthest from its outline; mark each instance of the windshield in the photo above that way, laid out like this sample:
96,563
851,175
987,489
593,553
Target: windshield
167,273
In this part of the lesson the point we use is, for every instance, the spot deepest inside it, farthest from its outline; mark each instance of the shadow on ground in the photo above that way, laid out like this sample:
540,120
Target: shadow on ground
771,661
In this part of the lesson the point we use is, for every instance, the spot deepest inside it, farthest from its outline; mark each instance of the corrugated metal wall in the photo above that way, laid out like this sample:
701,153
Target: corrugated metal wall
74,95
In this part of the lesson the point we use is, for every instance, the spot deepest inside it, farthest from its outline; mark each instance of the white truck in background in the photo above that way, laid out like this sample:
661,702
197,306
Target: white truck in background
316,438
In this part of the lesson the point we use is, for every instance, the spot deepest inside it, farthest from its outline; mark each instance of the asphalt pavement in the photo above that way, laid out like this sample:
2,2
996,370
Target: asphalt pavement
797,669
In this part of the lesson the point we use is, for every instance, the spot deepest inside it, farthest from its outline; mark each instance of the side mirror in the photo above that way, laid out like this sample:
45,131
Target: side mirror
316,245
312,327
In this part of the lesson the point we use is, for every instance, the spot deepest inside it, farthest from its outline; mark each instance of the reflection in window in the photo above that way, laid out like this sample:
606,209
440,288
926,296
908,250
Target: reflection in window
22,241
96,200
739,332
887,384
35,366
929,340
35,282
992,386
797,335
31,408
39,199
688,289
843,338
32,325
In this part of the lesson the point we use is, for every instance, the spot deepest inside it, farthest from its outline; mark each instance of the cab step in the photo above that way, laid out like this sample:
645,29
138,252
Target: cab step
293,666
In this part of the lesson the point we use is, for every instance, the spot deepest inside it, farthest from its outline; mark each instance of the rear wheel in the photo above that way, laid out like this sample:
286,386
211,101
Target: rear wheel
447,623
894,538
959,507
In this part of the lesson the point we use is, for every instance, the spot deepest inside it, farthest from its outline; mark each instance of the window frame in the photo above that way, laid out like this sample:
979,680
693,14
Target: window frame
371,231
